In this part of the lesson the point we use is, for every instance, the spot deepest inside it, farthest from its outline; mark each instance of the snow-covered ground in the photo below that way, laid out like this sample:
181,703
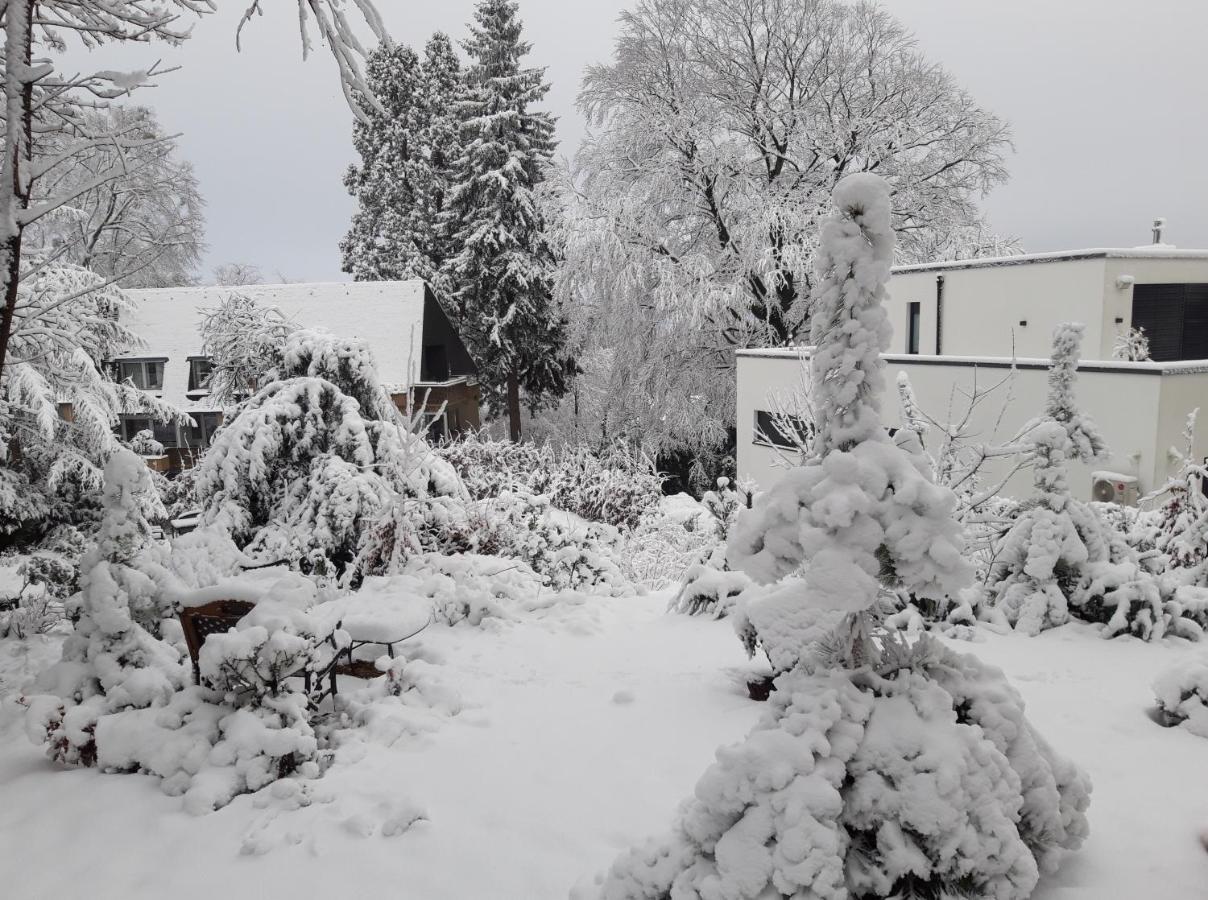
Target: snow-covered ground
579,732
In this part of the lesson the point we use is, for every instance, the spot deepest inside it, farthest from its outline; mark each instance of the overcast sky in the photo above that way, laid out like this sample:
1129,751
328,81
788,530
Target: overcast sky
1106,99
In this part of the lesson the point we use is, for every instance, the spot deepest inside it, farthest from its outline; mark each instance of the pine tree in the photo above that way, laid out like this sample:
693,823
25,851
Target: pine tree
444,83
402,179
500,278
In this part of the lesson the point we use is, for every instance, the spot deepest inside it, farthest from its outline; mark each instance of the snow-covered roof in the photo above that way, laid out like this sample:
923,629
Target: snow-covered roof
1148,367
388,315
1150,251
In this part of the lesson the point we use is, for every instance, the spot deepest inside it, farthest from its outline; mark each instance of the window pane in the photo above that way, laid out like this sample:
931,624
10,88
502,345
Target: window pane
155,376
199,374
133,425
165,433
132,372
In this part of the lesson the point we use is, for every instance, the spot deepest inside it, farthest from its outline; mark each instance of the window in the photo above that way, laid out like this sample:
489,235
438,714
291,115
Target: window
914,315
199,373
164,432
1174,318
144,374
132,425
198,436
791,432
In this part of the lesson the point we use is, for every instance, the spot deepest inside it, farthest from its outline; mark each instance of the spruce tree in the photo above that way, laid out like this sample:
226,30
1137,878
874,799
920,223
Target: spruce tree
407,149
500,278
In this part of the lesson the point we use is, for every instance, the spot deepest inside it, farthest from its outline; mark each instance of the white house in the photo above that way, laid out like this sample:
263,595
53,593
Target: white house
962,326
417,350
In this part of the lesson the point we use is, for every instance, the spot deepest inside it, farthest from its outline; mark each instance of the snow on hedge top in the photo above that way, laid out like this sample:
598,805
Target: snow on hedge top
387,315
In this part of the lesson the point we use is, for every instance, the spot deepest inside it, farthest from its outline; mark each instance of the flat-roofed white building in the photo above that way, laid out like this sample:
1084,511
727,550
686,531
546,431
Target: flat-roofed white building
965,325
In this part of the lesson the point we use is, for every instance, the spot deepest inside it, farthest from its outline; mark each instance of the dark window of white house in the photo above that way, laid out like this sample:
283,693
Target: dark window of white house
144,374
914,315
199,373
1174,318
792,432
199,435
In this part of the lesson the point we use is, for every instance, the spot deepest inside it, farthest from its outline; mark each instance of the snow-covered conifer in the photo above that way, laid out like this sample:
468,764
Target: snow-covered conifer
835,793
1060,558
501,278
1182,530
313,459
114,659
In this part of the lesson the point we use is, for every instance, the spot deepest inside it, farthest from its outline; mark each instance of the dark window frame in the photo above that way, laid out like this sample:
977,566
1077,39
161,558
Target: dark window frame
145,367
769,434
914,327
199,385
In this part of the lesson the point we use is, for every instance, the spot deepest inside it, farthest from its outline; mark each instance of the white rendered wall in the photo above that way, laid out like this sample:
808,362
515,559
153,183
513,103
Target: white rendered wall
984,306
1139,410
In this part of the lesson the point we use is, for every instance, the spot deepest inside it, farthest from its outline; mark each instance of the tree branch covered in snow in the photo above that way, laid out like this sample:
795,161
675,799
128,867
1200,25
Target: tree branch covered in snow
689,219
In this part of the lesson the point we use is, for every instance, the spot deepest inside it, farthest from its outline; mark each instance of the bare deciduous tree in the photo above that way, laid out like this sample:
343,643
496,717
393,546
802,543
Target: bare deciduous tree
142,228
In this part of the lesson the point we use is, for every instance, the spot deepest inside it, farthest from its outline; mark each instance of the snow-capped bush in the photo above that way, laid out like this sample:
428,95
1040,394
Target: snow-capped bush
114,660
924,782
515,524
1059,558
1181,523
709,589
617,486
145,444
304,465
1182,694
885,768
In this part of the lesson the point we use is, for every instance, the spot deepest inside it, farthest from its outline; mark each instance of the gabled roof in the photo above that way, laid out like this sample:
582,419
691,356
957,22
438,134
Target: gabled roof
1150,251
388,315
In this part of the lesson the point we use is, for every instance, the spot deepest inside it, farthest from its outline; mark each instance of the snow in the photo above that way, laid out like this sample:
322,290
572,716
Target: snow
572,743
387,315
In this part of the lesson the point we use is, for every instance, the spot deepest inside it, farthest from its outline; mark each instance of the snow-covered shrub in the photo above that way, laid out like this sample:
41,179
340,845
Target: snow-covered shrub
1060,558
46,581
1182,694
1181,523
709,589
1131,344
616,486
515,524
24,507
926,782
885,768
313,461
145,444
113,661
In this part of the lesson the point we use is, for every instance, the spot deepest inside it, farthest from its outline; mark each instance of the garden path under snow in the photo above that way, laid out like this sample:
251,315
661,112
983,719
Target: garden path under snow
579,731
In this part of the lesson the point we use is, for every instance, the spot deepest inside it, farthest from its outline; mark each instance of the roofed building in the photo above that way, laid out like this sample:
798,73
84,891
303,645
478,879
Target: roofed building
419,355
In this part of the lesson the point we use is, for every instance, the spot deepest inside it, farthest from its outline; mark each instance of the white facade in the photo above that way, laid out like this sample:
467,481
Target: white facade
1008,307
1140,407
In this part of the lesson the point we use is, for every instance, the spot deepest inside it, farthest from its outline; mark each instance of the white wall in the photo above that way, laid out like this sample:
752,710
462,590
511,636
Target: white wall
1140,408
983,307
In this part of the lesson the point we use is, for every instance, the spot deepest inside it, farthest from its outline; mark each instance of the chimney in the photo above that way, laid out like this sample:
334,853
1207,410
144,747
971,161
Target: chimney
1158,224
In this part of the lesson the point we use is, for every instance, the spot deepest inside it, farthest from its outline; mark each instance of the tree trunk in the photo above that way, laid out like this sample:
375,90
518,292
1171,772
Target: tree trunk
18,106
513,406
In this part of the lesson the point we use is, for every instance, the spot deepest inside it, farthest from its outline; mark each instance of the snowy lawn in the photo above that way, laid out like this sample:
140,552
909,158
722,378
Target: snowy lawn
580,732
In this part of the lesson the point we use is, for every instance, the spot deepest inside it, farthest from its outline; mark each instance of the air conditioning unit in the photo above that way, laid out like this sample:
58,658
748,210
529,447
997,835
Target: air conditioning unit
1112,487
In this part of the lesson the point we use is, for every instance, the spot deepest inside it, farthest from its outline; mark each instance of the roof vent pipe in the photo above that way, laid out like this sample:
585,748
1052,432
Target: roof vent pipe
1158,224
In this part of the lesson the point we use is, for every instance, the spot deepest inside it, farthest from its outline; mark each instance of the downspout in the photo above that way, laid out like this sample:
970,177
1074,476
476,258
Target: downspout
939,315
